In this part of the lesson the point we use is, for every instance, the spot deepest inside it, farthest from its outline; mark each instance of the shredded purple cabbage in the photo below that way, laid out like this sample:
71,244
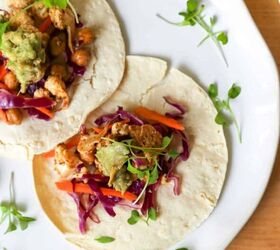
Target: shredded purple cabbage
119,115
9,101
180,109
176,180
136,187
35,113
150,197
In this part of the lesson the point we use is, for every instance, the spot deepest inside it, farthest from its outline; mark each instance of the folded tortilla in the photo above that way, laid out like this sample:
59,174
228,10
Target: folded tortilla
102,78
145,82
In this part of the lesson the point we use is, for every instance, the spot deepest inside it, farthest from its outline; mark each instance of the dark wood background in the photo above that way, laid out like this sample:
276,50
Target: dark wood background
263,229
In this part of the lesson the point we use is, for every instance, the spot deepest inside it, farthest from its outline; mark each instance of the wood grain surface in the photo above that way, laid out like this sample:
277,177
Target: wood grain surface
263,229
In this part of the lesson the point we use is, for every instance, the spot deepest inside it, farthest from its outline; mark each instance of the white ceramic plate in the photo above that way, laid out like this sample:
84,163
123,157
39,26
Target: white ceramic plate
257,109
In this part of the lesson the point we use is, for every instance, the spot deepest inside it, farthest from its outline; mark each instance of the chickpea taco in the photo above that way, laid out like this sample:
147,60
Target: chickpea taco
59,60
148,164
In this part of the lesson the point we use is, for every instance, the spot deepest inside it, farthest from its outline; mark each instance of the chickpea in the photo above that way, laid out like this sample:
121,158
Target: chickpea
81,57
11,81
57,45
60,71
14,116
85,35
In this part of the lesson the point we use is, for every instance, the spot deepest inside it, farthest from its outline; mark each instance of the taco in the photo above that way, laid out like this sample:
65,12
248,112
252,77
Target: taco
59,61
146,169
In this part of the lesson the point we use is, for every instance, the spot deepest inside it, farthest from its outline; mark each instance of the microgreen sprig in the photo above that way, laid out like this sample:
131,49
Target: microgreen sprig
223,106
105,239
192,16
10,211
135,216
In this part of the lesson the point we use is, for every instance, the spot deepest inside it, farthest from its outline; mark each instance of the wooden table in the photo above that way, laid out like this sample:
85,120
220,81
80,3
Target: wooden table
263,229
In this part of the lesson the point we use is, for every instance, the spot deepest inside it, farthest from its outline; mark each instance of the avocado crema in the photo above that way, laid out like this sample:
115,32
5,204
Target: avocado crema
111,162
26,55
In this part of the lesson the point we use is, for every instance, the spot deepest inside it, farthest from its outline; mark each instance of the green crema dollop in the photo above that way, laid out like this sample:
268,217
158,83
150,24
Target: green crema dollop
26,55
112,159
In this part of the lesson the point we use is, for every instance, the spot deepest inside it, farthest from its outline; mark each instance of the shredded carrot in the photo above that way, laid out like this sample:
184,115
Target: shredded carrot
3,116
3,71
154,116
85,188
46,112
45,25
69,144
3,86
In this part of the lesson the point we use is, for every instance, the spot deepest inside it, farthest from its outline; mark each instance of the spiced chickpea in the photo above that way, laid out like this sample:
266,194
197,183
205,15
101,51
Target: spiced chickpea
14,116
11,81
81,57
85,35
57,45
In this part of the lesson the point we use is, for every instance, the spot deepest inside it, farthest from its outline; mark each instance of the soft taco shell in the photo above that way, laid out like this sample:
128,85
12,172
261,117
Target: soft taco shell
99,82
145,83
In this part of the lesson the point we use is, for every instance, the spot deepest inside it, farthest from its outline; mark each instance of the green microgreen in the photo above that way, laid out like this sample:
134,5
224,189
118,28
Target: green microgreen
105,239
135,216
192,16
223,106
10,211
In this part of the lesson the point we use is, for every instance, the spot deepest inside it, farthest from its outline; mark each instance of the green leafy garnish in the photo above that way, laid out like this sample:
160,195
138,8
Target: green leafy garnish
10,211
192,16
152,214
105,239
173,154
52,3
224,106
134,218
182,248
3,28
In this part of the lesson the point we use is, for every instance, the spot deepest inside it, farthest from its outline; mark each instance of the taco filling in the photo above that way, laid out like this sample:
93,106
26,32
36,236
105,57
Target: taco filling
122,161
43,50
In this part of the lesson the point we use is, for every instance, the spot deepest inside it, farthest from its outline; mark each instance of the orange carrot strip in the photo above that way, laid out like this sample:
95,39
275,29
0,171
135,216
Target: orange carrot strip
3,86
69,144
3,71
45,25
3,116
84,188
154,116
46,112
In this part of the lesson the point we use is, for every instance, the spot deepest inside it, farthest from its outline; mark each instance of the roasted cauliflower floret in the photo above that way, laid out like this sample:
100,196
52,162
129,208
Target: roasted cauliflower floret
145,135
40,10
21,18
56,87
87,145
65,161
41,92
19,4
62,19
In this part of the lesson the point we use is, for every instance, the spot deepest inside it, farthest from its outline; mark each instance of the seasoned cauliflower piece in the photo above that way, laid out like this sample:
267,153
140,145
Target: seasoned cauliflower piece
40,10
145,135
56,87
21,18
62,18
87,145
41,92
19,4
65,161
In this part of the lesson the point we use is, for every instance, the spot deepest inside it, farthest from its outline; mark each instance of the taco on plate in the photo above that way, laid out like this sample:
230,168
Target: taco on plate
59,61
146,168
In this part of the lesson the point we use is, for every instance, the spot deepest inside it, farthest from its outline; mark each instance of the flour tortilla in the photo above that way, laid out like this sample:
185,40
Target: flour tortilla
99,82
146,81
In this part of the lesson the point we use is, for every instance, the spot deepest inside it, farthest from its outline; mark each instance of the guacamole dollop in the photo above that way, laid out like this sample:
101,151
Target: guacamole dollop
26,56
112,159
